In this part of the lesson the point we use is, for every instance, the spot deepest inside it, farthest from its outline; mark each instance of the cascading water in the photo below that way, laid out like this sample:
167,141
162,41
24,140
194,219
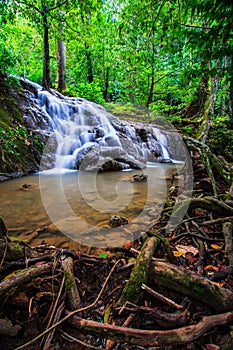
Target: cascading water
85,131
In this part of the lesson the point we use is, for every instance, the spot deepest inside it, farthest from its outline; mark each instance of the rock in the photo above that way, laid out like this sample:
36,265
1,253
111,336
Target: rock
139,178
26,185
97,158
29,187
113,165
116,221
166,161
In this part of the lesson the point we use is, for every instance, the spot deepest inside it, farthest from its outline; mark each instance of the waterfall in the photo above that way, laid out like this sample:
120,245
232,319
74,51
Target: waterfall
162,140
86,134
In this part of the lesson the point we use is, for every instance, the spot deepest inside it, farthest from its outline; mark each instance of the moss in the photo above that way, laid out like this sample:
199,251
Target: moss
188,284
20,150
69,283
133,290
129,112
4,118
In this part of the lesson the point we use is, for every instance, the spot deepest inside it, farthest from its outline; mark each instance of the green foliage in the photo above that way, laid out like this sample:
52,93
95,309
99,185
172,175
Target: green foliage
146,53
7,56
90,91
13,138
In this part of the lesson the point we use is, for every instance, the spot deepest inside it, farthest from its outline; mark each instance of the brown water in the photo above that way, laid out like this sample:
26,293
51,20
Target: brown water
77,206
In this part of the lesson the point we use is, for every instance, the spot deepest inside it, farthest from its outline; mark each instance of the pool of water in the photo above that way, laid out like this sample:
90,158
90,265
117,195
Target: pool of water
79,205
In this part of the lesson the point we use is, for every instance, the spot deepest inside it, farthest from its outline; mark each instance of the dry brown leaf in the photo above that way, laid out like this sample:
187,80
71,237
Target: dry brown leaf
187,249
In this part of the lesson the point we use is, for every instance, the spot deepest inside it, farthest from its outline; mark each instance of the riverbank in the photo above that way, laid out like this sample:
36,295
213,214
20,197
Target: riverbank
83,297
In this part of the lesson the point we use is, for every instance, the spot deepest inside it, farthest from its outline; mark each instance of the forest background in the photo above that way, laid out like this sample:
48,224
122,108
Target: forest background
174,57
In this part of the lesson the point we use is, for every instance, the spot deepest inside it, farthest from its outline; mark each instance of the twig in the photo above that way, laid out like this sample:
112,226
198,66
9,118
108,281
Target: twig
138,252
51,334
72,312
73,339
55,307
217,221
207,239
161,297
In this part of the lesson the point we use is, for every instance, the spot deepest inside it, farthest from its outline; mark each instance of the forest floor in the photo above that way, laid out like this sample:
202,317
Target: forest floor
168,290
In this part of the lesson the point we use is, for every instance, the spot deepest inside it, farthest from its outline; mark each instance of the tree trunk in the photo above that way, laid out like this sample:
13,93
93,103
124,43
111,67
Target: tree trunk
61,65
106,85
152,84
224,89
46,80
90,75
197,105
231,98
208,110
150,97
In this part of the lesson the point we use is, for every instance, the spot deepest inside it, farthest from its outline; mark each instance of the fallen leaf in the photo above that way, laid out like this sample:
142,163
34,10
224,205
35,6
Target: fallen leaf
212,347
177,254
187,249
216,246
211,268
128,244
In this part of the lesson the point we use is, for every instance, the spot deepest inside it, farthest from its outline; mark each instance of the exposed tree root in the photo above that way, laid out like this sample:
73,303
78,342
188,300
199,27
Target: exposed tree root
141,337
70,283
15,280
191,284
133,289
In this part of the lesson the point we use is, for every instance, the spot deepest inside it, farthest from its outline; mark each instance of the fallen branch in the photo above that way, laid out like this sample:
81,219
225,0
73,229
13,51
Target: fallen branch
70,283
164,319
206,203
15,251
24,276
186,282
133,291
72,312
141,337
161,297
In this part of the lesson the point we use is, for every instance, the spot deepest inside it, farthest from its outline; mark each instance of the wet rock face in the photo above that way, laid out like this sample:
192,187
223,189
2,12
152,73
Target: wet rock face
96,158
86,137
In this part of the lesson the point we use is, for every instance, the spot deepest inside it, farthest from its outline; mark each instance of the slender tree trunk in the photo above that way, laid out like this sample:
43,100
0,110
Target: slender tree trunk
224,88
90,75
61,65
231,98
151,93
106,85
196,107
46,80
208,110
152,84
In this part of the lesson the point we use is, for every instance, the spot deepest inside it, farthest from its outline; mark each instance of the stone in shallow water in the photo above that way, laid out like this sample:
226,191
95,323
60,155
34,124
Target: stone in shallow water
140,177
116,221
